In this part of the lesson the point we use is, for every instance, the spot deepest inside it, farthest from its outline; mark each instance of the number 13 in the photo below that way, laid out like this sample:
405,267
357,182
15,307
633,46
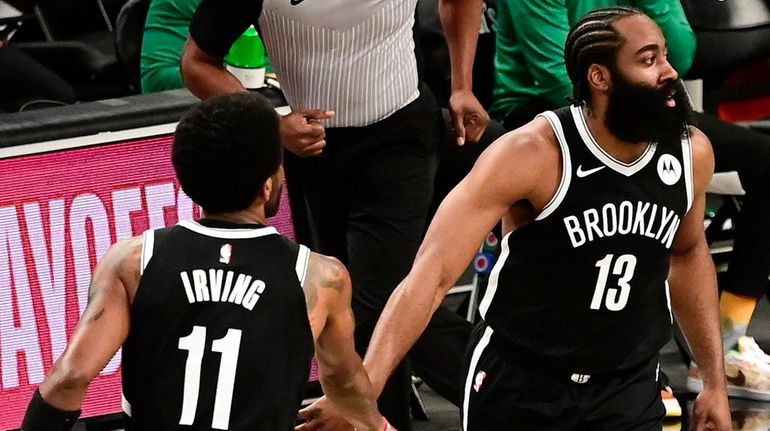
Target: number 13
617,297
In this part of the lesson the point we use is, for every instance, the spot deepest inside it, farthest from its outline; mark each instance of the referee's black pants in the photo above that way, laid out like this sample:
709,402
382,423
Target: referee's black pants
367,198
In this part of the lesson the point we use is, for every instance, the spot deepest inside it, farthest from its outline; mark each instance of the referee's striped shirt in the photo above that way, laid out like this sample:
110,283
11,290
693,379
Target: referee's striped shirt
355,57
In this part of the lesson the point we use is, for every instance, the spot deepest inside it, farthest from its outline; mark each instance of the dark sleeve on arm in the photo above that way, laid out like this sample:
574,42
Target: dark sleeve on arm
218,23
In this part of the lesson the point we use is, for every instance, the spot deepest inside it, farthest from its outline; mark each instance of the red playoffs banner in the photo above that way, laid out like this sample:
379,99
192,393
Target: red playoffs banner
59,212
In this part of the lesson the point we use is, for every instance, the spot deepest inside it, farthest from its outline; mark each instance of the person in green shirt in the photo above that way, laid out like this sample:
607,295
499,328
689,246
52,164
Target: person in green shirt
165,33
530,77
529,58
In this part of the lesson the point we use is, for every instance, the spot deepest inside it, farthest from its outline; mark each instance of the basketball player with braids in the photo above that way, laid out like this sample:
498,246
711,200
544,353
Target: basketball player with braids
603,204
218,317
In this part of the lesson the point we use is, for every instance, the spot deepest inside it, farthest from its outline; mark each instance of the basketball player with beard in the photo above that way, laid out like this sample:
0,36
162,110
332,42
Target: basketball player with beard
603,204
218,317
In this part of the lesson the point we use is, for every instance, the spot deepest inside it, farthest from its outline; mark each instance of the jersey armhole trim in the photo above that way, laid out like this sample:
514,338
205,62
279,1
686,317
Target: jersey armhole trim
303,257
148,246
688,169
566,166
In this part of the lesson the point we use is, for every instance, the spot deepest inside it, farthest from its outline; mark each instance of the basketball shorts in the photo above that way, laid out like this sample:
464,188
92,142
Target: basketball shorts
505,393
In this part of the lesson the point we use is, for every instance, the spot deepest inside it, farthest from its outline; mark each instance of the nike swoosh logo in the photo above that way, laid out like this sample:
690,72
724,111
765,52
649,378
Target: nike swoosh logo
295,2
582,174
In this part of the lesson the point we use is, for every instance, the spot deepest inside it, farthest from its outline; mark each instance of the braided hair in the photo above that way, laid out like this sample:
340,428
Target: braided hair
593,39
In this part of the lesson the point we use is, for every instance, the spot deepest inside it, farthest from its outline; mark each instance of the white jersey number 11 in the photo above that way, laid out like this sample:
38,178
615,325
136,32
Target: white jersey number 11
195,344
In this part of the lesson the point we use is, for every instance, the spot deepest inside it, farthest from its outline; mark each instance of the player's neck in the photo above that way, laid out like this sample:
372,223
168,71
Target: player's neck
247,216
621,150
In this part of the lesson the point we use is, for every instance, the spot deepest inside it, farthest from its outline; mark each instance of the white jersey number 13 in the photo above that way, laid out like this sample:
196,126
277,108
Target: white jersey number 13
616,298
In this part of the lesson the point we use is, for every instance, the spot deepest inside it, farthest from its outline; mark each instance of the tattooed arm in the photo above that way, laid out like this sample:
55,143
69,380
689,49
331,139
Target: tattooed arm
345,383
100,331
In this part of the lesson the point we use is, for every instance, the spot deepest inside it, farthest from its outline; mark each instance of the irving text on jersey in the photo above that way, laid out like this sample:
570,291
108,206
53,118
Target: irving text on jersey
644,218
217,285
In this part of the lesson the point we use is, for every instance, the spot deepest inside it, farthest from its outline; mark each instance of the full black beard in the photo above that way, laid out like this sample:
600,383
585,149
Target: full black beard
638,112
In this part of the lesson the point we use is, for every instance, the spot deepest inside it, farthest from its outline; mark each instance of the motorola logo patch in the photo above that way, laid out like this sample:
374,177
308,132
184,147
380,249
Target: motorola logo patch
669,169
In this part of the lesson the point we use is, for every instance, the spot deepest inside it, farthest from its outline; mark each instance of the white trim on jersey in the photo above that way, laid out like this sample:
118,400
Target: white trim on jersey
477,351
494,277
616,165
228,233
148,247
566,166
125,405
301,266
688,170
668,303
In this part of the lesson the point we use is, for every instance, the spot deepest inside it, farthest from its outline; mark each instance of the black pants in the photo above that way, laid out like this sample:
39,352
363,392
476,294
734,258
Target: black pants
746,152
367,199
24,79
505,391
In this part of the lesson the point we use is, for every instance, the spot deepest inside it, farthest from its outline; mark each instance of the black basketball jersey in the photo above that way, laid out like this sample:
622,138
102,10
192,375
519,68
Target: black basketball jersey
219,337
584,285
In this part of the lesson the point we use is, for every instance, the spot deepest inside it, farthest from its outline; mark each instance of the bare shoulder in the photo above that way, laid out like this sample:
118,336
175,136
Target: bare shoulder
535,142
702,157
523,164
326,278
119,267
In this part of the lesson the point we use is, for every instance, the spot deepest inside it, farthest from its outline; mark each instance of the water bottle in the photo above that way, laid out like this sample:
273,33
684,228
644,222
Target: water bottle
246,59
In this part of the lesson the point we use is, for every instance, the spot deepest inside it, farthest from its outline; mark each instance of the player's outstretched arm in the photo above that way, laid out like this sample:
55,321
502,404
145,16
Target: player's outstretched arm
692,281
519,166
342,375
100,332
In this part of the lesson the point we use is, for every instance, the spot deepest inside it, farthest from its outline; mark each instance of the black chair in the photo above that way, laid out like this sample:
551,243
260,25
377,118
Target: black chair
128,33
78,46
730,34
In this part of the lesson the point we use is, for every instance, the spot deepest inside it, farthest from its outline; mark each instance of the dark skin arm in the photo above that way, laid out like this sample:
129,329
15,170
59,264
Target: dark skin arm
461,20
342,375
205,75
692,281
101,330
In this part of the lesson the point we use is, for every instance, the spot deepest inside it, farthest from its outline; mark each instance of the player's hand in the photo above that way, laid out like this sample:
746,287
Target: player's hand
711,411
322,416
302,132
469,119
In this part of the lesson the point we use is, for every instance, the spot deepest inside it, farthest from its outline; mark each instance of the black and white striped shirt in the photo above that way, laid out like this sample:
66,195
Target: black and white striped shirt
355,57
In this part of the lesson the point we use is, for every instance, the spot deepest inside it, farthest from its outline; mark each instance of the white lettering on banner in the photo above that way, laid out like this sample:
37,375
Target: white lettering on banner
13,278
159,197
34,254
124,202
50,271
184,206
87,210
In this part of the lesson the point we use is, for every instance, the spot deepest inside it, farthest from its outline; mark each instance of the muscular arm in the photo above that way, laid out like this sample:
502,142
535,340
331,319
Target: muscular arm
507,172
215,25
204,74
342,376
692,281
101,330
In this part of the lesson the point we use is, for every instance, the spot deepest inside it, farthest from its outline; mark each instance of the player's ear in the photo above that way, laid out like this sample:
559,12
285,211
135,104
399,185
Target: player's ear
599,77
267,188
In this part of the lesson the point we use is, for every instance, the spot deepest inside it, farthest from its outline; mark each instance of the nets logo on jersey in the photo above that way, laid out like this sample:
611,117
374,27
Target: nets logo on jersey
225,254
669,169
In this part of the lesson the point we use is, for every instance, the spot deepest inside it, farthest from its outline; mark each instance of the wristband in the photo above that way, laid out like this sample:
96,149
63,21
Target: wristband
41,416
